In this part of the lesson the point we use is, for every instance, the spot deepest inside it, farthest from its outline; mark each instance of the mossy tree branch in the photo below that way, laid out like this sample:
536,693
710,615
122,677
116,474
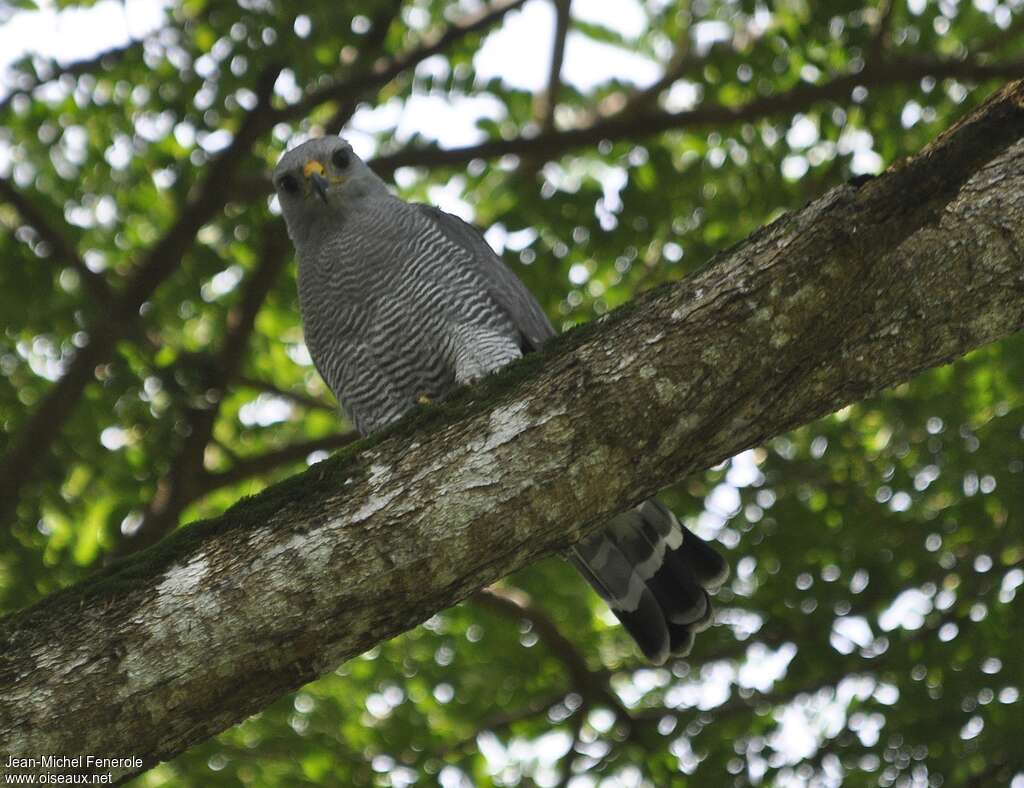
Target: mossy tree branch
862,289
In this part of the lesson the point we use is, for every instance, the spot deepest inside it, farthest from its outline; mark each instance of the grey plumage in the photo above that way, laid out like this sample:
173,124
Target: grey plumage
402,301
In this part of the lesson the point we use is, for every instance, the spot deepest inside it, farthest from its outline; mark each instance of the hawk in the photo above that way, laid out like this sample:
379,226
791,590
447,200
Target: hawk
402,301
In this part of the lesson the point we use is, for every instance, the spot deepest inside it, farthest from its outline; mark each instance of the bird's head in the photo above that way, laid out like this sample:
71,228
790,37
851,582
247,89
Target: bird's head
321,178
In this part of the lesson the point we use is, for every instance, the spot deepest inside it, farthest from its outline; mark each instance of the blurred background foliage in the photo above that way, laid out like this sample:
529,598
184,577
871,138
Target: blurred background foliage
154,371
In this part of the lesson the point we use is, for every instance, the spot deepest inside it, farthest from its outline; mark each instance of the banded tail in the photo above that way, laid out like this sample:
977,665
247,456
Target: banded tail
655,575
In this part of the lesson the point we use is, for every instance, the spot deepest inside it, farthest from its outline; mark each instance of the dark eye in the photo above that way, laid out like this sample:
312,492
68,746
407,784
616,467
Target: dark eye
340,159
288,183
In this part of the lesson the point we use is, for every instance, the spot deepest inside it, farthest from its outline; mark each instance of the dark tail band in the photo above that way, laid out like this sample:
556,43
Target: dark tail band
655,576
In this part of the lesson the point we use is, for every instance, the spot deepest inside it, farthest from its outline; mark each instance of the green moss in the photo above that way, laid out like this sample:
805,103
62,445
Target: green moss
303,493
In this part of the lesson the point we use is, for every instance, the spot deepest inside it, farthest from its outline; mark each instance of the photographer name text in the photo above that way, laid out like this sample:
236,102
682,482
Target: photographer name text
72,762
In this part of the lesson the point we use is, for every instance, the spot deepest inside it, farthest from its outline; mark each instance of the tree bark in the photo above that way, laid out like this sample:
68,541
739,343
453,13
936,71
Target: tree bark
860,290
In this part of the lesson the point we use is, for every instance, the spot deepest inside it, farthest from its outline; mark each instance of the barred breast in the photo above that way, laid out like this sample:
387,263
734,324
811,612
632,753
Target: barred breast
395,312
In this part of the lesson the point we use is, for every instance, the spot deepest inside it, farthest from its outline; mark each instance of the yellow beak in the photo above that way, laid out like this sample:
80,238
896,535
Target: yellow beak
314,172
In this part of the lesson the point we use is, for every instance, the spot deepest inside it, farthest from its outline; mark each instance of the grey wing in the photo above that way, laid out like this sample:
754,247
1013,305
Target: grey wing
507,290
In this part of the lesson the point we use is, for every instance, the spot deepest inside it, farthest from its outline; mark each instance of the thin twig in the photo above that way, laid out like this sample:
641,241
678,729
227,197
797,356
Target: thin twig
305,400
566,761
880,33
591,684
502,721
549,99
262,464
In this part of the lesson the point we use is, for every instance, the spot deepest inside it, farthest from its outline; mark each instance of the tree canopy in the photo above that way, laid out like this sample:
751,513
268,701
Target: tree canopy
154,373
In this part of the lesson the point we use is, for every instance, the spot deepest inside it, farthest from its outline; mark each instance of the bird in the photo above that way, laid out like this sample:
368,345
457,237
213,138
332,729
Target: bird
401,303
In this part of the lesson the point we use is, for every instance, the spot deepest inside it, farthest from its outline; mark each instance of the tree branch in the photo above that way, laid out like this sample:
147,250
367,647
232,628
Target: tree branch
183,483
25,84
65,250
641,125
685,60
861,289
372,48
592,685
